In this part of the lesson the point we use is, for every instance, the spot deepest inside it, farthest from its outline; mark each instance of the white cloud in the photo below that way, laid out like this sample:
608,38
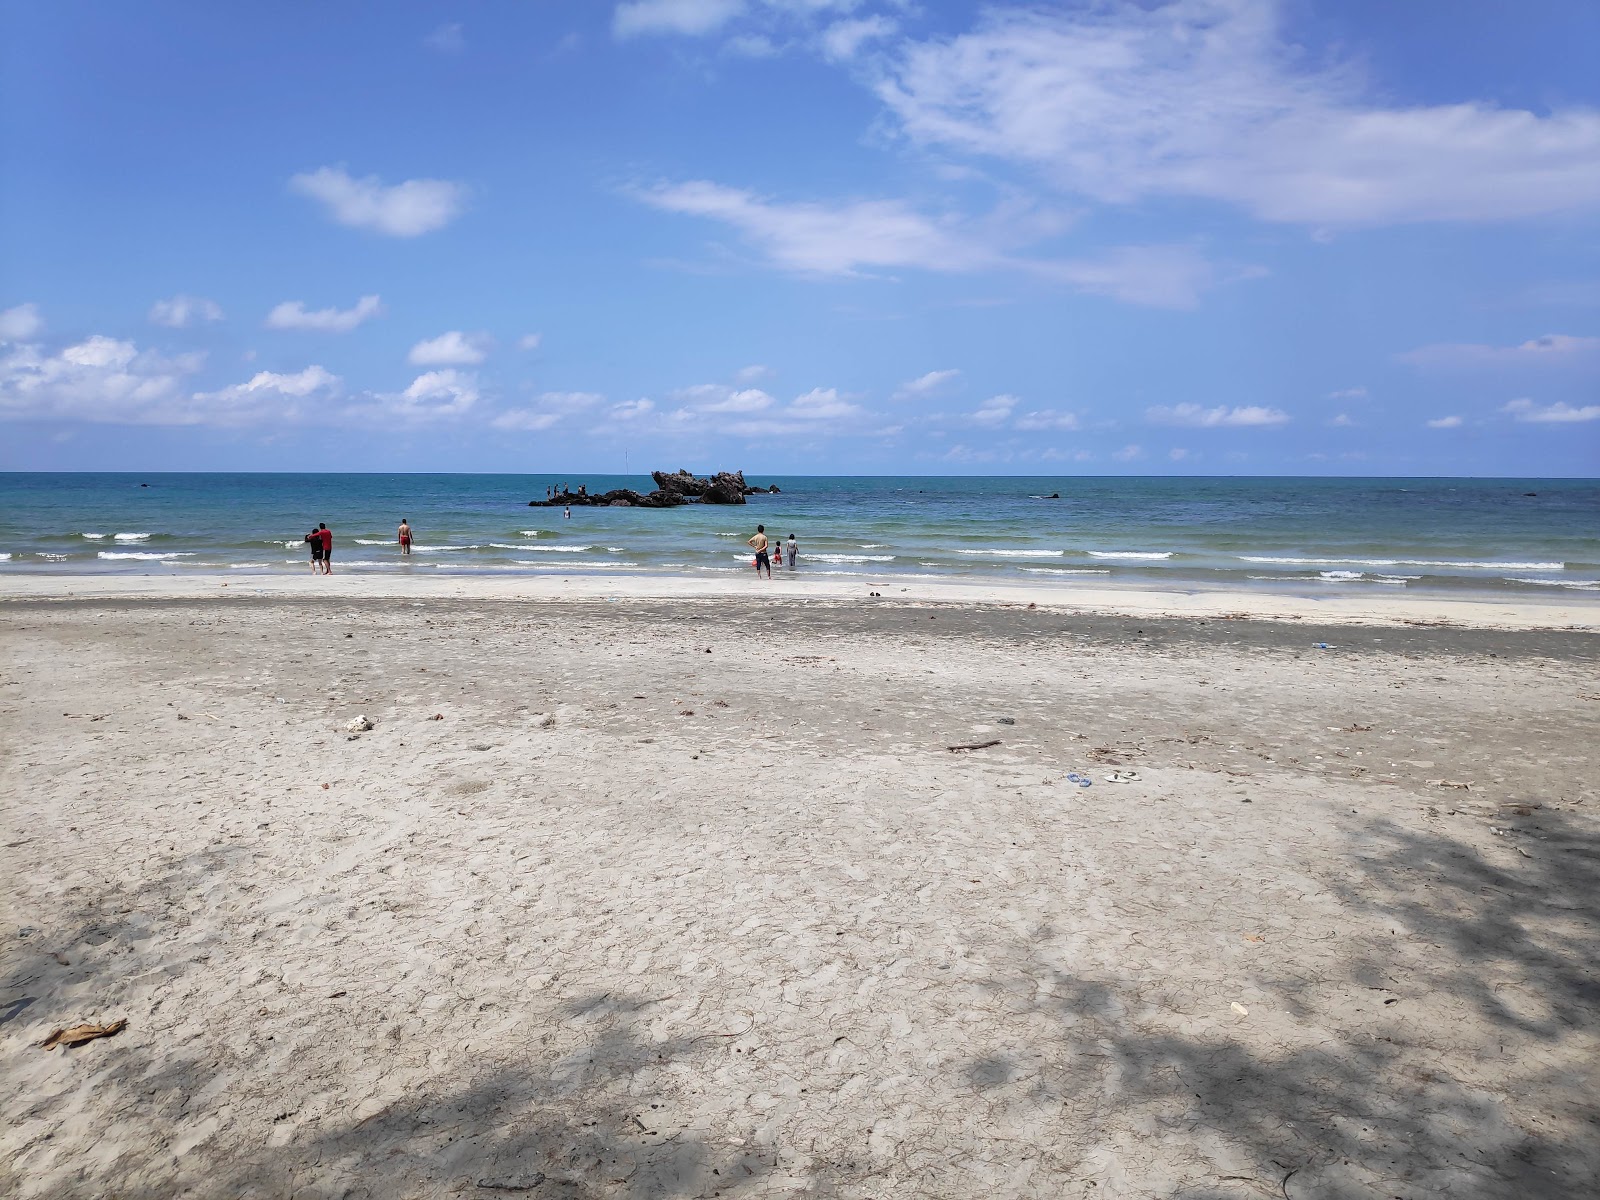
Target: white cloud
717,398
1203,98
925,385
1128,453
843,39
753,373
20,323
181,311
1349,393
1178,454
1196,417
431,396
1048,419
292,314
1551,414
1451,422
1551,350
865,236
632,410
270,395
451,349
996,410
525,420
822,404
407,209
530,341
99,379
673,16
751,45
447,39
1342,421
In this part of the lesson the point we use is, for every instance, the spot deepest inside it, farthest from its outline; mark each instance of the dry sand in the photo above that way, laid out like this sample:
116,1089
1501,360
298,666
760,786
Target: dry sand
638,920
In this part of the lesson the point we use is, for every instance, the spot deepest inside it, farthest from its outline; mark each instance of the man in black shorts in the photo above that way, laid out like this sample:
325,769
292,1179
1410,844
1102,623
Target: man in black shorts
314,540
759,542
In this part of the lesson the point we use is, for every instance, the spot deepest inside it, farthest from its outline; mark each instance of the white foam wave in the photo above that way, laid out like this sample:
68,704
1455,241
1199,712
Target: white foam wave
141,555
576,564
850,558
1066,570
531,532
436,549
131,537
248,566
1447,563
1135,554
1581,585
5,557
374,541
93,537
557,549
1363,577
1002,553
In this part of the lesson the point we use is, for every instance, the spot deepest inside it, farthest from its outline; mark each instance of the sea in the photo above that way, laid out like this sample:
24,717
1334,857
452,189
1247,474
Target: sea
1324,536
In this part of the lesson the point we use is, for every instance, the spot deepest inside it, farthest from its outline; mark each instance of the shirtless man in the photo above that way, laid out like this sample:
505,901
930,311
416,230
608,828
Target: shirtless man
405,538
759,543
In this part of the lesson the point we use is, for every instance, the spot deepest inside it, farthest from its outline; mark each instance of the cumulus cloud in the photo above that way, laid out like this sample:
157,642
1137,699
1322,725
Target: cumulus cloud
549,409
451,349
864,237
407,209
632,410
20,323
99,379
925,385
182,311
431,396
717,398
1450,422
1194,416
270,395
292,314
1204,98
1551,350
673,16
1551,414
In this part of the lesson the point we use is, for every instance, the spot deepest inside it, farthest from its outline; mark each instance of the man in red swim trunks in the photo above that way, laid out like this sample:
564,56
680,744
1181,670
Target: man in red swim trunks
326,535
405,537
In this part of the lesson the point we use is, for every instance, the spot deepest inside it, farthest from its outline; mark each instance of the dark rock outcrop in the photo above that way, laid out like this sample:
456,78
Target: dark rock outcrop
678,487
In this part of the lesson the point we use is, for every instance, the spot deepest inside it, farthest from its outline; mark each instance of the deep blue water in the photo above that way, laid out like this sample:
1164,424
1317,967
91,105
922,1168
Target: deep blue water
1333,534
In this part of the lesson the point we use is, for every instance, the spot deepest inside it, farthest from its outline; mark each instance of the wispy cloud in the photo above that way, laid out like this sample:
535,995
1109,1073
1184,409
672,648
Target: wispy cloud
182,311
1551,350
447,39
867,237
292,314
926,385
690,17
1551,414
1196,416
1203,98
1450,422
842,40
407,209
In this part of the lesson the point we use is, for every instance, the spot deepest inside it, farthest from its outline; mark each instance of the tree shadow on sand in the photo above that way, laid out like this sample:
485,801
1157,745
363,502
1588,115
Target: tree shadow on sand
1373,1107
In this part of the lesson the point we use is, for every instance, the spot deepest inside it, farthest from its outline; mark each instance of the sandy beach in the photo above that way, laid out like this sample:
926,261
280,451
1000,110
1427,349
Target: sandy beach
634,890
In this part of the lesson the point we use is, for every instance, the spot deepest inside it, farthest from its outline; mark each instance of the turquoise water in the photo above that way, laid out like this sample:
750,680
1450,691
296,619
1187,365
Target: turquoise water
1324,534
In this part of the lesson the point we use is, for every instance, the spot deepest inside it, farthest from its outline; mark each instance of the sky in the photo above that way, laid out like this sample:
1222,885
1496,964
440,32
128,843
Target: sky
1329,237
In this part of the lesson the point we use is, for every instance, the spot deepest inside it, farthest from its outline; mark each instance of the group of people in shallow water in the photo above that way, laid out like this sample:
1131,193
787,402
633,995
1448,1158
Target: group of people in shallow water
767,549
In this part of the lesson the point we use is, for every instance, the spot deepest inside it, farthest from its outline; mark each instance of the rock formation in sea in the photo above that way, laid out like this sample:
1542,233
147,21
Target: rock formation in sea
672,489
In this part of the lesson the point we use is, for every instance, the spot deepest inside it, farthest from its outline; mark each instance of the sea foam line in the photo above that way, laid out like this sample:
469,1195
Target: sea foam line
1402,562
1136,554
142,555
1000,553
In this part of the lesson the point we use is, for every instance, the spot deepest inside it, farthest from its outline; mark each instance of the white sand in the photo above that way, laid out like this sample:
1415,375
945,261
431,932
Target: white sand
635,920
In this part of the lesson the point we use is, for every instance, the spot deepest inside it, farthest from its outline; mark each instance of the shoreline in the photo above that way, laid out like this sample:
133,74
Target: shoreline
1477,611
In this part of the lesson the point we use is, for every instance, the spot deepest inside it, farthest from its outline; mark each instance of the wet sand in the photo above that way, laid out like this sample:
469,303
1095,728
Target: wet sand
672,897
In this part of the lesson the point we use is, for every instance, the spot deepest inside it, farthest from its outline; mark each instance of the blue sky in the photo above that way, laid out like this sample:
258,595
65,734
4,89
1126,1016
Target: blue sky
802,236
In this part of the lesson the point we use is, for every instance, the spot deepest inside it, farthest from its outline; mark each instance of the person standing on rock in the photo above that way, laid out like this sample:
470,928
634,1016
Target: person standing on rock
759,543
